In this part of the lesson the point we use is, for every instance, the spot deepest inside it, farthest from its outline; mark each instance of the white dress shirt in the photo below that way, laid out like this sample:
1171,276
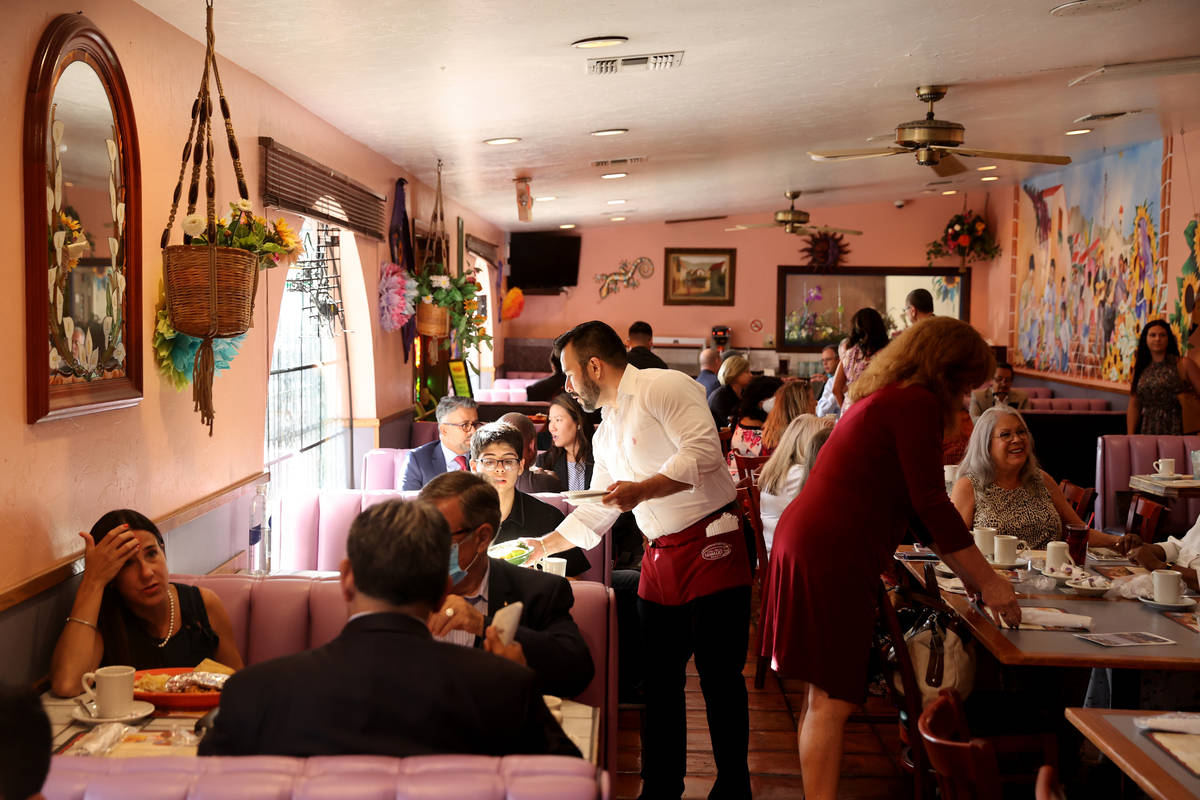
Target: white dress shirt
659,424
450,455
827,406
1184,552
480,602
771,506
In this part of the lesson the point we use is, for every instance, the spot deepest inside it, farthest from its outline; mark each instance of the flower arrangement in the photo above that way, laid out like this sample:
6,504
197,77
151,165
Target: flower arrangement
459,296
175,352
513,305
807,325
966,236
273,242
398,292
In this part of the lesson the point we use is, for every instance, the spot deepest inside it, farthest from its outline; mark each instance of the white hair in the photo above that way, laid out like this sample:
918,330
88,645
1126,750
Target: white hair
977,461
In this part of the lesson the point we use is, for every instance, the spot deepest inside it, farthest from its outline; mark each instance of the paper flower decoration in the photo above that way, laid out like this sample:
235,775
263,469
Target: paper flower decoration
513,305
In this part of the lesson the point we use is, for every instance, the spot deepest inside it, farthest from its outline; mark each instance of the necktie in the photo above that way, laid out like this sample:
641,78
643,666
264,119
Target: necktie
461,461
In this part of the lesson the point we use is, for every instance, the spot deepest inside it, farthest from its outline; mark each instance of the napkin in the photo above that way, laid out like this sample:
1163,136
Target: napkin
1175,722
101,738
1055,619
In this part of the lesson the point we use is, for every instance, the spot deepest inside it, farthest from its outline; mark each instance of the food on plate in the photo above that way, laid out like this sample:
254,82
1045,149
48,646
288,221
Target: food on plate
538,417
155,682
512,552
197,682
1090,582
1065,571
208,665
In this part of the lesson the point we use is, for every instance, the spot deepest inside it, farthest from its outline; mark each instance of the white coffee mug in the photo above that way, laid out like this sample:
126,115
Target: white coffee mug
112,690
1165,466
1007,548
985,540
555,566
950,473
1168,586
1057,555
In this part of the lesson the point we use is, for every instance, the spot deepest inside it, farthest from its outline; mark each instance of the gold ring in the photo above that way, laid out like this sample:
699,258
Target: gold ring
449,612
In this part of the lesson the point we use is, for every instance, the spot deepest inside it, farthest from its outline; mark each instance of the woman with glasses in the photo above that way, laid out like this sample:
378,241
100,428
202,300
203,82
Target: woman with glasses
1000,486
496,456
570,455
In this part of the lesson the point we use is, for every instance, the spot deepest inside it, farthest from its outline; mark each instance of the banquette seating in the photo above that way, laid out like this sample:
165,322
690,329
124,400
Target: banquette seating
1118,457
442,777
1068,404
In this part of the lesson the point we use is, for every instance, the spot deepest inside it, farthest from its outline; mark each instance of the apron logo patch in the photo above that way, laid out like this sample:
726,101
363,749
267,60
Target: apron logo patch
715,551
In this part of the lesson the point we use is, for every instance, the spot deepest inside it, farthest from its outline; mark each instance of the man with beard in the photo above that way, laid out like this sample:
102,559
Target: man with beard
657,453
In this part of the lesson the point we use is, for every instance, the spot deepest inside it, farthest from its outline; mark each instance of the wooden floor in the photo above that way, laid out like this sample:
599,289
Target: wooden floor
869,766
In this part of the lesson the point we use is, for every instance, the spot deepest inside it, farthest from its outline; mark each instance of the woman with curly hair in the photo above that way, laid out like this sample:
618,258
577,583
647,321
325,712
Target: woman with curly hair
868,335
1160,373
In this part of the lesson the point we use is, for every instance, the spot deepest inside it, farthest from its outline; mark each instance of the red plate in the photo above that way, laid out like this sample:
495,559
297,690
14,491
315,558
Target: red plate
188,700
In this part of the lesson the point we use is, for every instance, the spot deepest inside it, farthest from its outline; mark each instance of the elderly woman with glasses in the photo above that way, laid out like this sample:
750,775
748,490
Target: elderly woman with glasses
496,456
1000,485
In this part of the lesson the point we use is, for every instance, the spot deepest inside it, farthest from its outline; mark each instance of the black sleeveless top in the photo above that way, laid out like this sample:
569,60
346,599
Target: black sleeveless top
192,643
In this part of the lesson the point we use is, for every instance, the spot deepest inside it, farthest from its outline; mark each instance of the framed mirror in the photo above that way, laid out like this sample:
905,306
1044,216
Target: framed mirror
814,309
82,195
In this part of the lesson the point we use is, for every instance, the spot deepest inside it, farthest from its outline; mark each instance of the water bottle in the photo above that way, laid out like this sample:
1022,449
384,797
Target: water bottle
258,551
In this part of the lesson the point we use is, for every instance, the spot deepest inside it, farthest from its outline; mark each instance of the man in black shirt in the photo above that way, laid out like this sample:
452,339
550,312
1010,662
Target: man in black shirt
641,336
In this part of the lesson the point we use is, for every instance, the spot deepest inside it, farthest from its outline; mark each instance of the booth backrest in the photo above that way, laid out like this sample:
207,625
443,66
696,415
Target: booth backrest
383,468
440,777
1034,392
1118,457
1068,404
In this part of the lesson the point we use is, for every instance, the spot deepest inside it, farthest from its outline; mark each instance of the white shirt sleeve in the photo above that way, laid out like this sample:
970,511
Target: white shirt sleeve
581,525
1184,552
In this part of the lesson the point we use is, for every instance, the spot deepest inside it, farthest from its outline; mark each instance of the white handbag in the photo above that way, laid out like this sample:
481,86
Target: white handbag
940,659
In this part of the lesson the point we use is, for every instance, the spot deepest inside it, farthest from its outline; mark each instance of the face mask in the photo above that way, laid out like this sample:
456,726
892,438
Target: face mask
768,404
457,573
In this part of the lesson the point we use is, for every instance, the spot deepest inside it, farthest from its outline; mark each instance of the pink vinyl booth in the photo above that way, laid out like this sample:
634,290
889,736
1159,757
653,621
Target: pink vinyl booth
442,777
278,615
1118,457
1068,404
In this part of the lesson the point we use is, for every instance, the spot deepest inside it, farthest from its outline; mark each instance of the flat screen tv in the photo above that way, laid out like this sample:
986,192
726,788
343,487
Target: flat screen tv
543,263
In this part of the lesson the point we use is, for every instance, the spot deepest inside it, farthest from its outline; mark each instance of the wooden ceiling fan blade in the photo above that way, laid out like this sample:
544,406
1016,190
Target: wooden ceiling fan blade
751,227
975,152
948,166
827,229
848,155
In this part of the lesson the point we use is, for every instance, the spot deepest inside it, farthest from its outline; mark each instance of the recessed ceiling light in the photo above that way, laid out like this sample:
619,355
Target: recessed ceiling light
985,168
610,132
990,178
613,175
617,219
545,199
599,41
567,226
503,140
617,202
1079,131
950,191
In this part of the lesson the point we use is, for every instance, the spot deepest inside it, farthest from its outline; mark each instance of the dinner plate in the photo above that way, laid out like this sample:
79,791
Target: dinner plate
139,709
584,496
511,551
1186,602
185,700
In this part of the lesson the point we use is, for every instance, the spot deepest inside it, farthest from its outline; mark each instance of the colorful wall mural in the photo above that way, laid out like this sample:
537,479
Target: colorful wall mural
1087,274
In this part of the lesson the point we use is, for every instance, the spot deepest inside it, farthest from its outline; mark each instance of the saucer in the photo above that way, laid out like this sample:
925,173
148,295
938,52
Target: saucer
1020,563
1174,476
1183,604
139,709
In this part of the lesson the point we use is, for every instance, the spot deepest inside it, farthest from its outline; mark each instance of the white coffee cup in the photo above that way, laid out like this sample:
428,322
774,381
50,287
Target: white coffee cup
112,690
555,566
1168,586
1006,549
1057,555
950,473
1165,466
985,540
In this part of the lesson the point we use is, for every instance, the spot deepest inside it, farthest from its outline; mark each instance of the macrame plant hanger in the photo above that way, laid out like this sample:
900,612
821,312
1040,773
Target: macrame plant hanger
210,290
433,320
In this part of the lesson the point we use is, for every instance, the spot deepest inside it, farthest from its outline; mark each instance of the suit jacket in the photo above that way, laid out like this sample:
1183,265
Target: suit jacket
532,482
644,358
546,388
531,517
554,647
984,399
559,468
423,465
384,686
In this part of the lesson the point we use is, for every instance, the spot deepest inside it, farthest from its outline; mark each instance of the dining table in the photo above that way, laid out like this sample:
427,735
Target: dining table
1154,770
1169,489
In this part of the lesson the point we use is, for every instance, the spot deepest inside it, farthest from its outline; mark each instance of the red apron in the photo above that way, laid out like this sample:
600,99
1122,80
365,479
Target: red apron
682,566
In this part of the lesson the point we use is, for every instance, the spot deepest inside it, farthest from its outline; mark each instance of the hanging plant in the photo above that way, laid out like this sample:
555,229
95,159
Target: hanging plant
458,296
175,352
966,236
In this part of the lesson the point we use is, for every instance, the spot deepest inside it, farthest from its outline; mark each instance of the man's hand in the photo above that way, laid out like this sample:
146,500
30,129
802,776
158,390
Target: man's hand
512,652
625,495
1147,556
456,614
1127,543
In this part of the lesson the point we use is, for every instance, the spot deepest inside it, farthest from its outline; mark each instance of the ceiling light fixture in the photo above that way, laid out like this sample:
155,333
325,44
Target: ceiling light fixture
503,140
990,178
567,226
617,219
545,199
610,132
599,41
1079,131
613,175
617,202
985,168
950,191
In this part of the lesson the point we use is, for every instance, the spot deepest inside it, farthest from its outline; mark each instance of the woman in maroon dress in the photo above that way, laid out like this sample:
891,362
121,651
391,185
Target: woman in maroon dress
879,474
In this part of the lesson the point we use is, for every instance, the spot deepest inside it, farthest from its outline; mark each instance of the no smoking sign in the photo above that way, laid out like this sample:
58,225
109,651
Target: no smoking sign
756,325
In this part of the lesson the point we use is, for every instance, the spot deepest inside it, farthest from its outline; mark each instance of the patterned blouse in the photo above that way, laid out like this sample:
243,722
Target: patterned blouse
1026,512
854,363
1157,390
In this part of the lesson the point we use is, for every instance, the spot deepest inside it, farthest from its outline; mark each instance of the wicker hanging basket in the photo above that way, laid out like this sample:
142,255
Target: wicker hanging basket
433,320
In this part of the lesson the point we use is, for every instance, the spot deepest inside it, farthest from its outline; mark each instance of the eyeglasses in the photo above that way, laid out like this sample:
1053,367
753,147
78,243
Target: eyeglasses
495,465
465,427
1008,436
462,533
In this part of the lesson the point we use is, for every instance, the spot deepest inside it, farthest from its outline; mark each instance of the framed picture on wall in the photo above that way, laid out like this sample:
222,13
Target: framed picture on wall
703,276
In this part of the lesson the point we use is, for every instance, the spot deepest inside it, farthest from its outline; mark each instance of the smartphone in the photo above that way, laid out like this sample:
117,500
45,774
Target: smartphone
506,621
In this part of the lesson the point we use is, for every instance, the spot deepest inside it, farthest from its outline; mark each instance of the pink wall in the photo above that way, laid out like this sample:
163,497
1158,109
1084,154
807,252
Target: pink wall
893,237
57,478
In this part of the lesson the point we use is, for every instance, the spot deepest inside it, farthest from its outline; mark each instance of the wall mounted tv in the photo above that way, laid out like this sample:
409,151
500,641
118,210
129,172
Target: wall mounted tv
543,263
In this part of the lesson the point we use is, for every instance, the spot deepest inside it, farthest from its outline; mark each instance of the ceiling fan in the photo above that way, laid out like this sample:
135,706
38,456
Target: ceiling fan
935,143
794,220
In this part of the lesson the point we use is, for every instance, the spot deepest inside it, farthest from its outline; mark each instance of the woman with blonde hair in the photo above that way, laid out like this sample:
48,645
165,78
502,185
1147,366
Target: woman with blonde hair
879,473
733,376
793,399
784,471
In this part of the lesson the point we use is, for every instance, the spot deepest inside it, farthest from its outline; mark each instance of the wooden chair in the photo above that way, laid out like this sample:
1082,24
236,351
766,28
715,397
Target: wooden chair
748,466
967,767
1048,786
748,502
1079,498
1143,517
726,436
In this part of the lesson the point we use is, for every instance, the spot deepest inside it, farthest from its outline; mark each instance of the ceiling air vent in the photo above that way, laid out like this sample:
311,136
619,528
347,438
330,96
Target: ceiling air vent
651,62
1102,117
619,162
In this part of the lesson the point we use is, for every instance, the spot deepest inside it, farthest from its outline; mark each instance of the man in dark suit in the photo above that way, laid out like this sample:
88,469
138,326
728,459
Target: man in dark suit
999,393
641,337
533,479
550,640
384,686
457,419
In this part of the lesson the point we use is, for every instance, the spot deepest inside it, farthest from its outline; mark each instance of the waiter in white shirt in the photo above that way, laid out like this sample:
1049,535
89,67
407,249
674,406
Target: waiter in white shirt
657,453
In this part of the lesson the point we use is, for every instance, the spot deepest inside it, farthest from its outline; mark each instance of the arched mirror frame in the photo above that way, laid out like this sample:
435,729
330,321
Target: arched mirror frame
70,38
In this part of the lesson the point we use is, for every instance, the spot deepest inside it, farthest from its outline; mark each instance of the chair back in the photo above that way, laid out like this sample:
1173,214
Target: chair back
1079,497
1143,517
595,613
748,466
748,504
1048,786
966,767
726,436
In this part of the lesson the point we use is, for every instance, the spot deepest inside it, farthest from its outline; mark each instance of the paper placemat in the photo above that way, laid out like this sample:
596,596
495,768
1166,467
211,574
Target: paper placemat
1185,618
1183,747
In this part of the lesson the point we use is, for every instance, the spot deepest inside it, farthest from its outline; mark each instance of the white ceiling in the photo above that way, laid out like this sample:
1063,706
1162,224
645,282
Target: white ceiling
762,81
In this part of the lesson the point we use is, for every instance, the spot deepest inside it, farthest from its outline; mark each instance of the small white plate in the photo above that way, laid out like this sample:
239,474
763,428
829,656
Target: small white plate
1185,603
139,709
1063,578
1020,563
1087,591
1174,476
584,496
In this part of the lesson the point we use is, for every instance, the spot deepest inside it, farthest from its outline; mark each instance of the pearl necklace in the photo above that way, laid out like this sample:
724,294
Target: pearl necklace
171,624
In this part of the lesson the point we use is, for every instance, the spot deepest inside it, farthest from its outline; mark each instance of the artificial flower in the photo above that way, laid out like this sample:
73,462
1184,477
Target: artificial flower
56,361
440,281
513,305
194,224
119,352
243,205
